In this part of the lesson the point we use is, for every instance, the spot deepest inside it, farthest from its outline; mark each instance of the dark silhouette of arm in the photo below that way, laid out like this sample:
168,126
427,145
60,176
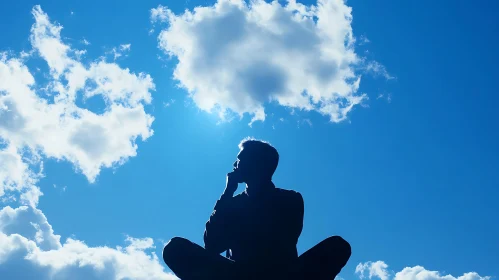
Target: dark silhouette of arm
217,232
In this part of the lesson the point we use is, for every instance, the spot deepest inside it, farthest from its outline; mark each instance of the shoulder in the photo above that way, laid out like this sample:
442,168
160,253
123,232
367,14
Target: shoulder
292,196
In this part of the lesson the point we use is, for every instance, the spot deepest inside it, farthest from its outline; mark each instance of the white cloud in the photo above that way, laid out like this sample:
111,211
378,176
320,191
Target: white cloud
237,57
58,128
379,269
159,14
388,97
121,51
378,69
80,53
16,176
420,273
125,47
31,223
364,40
376,269
30,250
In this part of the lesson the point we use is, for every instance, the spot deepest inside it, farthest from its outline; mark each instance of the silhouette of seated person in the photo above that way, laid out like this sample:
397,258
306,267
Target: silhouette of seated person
258,228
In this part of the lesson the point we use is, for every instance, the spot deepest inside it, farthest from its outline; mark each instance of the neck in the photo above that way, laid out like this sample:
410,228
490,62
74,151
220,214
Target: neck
258,187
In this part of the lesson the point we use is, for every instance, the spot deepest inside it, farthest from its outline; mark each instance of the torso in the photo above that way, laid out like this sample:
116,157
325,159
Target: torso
260,223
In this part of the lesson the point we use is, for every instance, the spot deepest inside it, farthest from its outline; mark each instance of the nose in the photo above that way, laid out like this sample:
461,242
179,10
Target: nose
235,164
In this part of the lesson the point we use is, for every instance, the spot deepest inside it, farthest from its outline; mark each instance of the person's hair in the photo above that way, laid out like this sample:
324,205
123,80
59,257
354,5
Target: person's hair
266,155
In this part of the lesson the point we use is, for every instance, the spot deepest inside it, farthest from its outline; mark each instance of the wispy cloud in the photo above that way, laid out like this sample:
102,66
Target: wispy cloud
378,69
363,40
120,51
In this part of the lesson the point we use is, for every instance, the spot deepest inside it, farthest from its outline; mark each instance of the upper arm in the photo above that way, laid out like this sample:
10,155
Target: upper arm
217,232
299,212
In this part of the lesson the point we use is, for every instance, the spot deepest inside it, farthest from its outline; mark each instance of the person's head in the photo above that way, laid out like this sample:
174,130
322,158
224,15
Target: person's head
257,160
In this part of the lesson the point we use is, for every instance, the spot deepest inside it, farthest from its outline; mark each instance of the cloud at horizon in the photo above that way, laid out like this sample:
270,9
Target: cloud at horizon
379,270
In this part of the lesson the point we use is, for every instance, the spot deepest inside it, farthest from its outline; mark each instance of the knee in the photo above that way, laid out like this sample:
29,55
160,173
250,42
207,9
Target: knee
339,245
173,249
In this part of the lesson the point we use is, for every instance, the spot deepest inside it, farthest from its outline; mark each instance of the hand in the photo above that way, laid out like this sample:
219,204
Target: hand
232,182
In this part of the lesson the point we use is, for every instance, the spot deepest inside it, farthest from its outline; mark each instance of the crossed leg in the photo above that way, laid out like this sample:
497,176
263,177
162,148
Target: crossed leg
190,261
326,259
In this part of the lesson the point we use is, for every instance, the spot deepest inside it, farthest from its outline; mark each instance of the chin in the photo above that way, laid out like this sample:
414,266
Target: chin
241,180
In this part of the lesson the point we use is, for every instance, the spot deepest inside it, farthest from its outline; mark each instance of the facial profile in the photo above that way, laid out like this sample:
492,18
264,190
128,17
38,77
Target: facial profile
256,160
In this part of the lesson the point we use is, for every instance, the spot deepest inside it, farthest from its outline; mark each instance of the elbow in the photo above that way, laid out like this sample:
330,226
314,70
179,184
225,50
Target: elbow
211,245
207,243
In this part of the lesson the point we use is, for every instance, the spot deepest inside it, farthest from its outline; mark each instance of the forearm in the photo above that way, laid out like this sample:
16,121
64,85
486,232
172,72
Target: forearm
216,233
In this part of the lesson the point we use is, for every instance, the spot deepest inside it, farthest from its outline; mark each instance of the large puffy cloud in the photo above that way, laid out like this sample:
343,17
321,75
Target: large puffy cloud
57,126
30,223
29,249
379,269
237,57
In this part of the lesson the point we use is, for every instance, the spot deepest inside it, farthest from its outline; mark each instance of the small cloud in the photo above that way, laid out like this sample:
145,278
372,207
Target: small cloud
162,241
120,51
281,119
8,199
363,40
125,47
388,97
159,14
79,53
85,42
72,13
166,104
169,103
378,69
375,269
26,54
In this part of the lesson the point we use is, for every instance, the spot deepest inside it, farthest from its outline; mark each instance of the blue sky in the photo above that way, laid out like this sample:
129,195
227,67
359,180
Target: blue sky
408,176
